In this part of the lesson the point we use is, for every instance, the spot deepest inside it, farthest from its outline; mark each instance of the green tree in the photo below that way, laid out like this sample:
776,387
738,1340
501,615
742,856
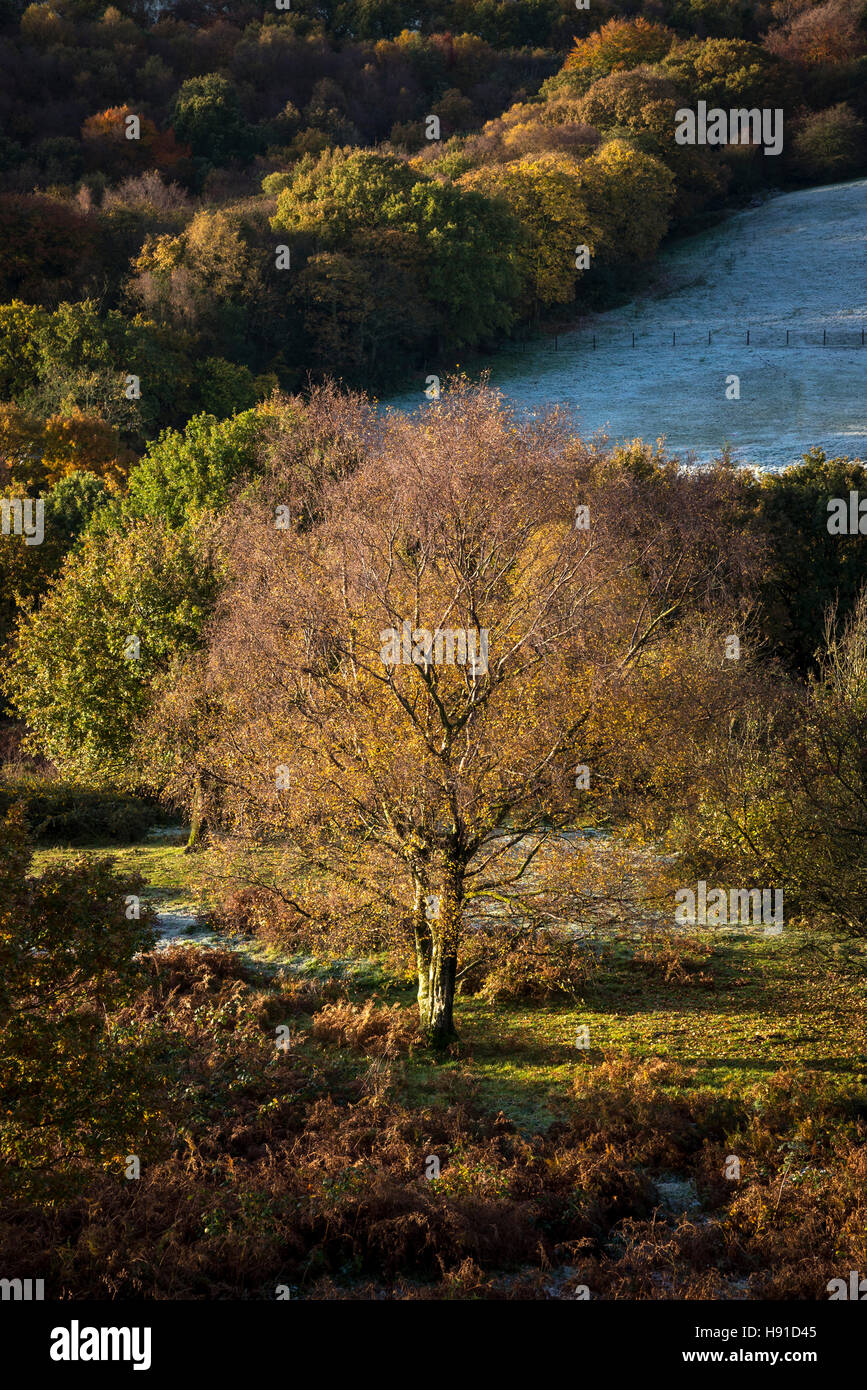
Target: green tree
629,195
546,197
727,72
830,144
466,246
470,272
183,473
641,106
27,570
208,118
83,672
21,329
805,570
78,358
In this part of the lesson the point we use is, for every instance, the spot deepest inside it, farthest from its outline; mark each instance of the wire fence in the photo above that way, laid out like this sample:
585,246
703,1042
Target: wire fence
692,338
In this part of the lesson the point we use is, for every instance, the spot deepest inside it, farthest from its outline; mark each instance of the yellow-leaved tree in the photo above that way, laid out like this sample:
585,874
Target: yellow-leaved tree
409,662
546,196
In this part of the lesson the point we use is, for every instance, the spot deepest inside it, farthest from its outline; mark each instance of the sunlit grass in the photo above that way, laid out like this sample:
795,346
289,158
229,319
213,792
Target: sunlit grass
790,1003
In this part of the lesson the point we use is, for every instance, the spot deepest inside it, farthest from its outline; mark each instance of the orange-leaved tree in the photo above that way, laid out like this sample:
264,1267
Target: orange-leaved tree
406,669
621,43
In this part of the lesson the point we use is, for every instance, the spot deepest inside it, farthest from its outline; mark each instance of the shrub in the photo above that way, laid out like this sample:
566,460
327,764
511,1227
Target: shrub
60,812
187,969
830,144
70,953
366,1027
528,964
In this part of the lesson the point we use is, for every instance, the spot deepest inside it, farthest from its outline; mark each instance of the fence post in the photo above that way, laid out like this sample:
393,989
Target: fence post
748,337
787,337
824,336
555,342
633,336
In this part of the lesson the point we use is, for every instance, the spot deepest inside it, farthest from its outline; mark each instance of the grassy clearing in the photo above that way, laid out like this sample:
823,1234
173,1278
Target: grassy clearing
772,1005
752,1006
307,1166
172,877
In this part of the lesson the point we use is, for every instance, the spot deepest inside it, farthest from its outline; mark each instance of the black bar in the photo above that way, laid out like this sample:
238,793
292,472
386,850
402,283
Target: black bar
198,1340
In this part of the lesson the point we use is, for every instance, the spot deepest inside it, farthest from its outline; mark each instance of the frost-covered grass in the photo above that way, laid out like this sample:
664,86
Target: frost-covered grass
797,262
730,1008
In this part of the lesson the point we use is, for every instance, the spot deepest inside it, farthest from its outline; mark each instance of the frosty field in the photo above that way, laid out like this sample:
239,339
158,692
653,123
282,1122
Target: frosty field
798,262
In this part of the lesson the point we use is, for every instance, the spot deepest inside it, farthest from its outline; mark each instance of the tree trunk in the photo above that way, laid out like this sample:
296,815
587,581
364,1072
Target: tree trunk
197,816
423,950
441,1028
438,961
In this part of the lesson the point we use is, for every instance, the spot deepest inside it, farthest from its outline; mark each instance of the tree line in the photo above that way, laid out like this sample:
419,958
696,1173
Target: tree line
281,210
